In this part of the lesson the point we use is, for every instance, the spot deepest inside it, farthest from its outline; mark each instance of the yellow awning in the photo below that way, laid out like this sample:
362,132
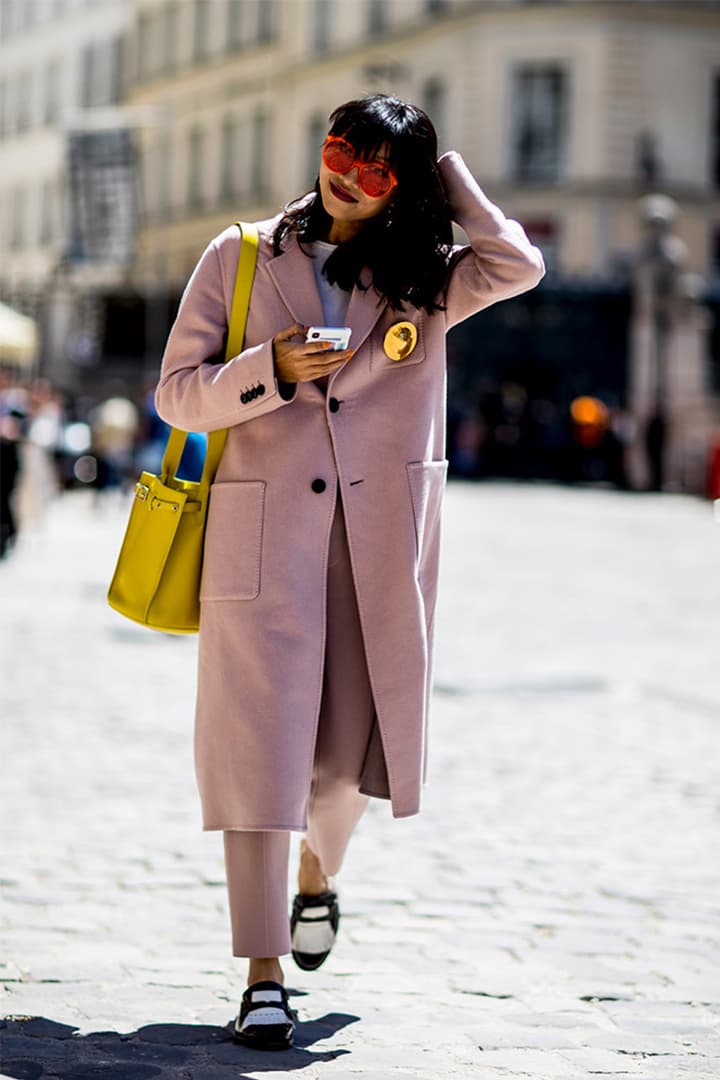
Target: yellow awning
18,338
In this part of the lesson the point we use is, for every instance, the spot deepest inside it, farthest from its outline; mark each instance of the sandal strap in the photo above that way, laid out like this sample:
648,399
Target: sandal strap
327,900
317,899
260,995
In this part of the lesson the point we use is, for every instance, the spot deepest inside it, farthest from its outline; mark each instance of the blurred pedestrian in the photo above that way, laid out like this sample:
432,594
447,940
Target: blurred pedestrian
152,435
468,437
10,433
619,435
38,482
321,555
655,441
14,405
114,425
712,484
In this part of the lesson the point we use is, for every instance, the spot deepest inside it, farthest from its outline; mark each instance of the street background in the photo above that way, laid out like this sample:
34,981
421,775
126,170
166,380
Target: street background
134,131
554,910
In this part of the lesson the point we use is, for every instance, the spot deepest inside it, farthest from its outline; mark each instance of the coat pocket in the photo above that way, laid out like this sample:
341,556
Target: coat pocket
427,484
233,541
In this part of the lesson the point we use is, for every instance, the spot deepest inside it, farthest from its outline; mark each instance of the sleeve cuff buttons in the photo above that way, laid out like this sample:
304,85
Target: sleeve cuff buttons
250,395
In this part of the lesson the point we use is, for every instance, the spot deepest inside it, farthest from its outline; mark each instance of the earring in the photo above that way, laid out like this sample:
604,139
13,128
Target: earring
389,219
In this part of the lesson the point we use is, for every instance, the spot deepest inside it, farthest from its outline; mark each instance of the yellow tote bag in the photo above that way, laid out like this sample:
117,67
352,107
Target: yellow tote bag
157,576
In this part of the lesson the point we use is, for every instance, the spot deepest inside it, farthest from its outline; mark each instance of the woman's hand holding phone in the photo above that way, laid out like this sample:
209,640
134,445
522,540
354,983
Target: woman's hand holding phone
305,361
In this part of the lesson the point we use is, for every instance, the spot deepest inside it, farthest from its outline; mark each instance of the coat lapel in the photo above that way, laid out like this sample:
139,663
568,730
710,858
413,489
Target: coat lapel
364,310
294,278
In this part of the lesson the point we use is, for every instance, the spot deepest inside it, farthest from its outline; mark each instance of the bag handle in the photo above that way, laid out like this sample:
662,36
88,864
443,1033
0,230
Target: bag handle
236,336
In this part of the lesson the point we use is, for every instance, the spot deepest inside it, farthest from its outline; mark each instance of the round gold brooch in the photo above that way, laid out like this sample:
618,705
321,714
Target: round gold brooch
400,340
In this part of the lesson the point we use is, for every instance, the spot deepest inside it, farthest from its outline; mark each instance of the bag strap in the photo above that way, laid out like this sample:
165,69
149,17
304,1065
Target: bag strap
236,335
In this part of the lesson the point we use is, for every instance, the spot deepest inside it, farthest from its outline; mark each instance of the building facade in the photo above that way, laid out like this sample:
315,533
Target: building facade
62,67
567,111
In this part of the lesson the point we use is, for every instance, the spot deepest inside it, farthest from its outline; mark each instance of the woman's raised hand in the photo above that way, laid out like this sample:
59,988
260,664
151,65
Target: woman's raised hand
302,362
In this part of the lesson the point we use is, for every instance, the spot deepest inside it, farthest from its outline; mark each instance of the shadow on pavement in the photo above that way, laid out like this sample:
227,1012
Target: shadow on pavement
33,1047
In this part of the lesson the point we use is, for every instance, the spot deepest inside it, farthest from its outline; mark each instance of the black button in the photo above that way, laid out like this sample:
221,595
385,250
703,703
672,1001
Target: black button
254,392
333,404
318,485
244,398
261,389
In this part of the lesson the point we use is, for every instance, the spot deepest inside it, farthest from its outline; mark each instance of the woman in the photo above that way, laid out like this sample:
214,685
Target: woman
321,555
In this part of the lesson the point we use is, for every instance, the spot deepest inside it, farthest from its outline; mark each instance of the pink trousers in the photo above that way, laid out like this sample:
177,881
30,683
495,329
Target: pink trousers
257,862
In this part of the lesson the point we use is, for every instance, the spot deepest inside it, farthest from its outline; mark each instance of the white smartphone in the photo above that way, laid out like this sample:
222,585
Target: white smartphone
338,336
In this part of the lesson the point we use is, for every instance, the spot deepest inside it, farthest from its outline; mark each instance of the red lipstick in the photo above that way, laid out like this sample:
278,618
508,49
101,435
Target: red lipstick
339,193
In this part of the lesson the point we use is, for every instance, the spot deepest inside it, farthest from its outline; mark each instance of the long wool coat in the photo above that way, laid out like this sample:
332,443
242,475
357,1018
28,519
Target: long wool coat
377,440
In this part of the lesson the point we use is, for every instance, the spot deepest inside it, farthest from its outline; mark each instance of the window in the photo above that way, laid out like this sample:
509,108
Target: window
11,93
164,174
47,214
539,102
17,220
8,119
259,155
196,143
254,21
201,29
316,132
6,19
265,21
51,107
143,46
433,102
321,26
87,67
116,72
236,13
24,102
29,13
171,25
377,16
228,158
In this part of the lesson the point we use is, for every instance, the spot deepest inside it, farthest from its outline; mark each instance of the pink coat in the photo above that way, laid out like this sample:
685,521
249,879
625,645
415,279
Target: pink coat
380,435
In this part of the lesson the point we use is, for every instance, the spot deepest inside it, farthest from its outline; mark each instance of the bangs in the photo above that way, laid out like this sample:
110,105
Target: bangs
369,140
373,124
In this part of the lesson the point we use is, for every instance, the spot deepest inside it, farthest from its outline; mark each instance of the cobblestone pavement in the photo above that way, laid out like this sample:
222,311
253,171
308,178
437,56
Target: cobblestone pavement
553,912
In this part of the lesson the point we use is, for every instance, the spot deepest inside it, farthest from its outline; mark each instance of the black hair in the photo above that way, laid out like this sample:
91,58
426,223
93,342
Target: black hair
407,246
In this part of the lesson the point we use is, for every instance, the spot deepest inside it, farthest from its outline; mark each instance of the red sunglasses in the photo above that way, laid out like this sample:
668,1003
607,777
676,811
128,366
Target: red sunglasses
374,177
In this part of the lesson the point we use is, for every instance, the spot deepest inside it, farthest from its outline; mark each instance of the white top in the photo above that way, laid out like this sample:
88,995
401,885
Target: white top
334,299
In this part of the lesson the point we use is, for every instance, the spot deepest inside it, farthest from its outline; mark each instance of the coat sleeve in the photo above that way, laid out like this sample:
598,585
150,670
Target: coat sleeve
197,396
500,261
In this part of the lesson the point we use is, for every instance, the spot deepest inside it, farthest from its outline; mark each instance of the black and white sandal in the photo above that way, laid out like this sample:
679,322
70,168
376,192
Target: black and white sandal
265,1021
313,927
